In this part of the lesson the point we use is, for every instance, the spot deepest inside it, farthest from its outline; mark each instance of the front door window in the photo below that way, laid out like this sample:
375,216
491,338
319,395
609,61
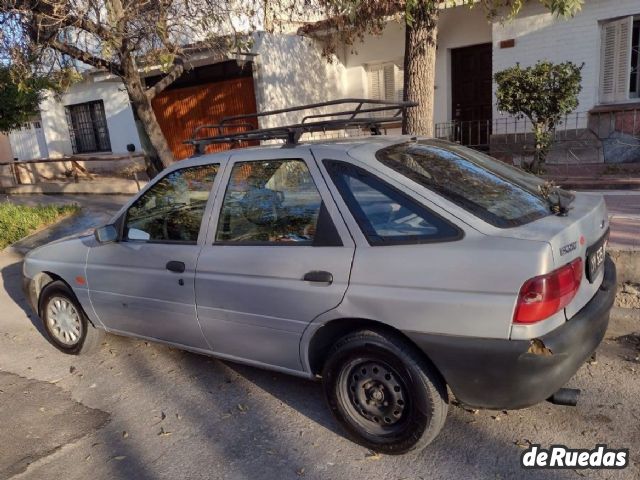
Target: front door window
172,209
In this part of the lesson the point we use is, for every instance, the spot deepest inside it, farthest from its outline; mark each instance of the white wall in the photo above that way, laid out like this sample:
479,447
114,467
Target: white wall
118,112
290,71
540,36
457,27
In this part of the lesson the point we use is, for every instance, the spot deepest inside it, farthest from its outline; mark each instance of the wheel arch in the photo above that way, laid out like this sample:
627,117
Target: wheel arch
326,335
41,280
44,278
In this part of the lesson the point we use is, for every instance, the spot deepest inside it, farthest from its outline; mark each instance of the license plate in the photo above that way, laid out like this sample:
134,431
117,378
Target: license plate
595,257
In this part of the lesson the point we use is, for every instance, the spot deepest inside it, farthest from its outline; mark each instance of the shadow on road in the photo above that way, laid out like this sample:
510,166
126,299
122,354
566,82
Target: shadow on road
261,439
12,283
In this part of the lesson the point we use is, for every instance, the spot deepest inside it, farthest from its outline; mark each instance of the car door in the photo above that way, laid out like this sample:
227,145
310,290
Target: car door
278,254
144,283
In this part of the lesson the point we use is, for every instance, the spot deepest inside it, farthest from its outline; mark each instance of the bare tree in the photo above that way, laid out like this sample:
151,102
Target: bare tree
125,38
351,20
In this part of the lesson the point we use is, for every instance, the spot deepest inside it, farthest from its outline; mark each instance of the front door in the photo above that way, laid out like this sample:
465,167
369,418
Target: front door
471,70
277,256
144,283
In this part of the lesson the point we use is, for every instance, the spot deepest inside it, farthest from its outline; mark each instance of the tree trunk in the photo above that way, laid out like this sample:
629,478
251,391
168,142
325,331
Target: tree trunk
161,156
543,137
420,67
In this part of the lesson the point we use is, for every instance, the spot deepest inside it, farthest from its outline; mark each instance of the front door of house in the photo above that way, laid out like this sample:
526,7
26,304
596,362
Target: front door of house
471,93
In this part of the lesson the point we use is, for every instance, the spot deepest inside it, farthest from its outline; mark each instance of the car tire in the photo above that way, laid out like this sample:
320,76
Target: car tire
64,321
385,394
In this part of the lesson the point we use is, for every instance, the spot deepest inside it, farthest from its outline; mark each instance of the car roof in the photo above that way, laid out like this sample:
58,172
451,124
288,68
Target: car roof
362,147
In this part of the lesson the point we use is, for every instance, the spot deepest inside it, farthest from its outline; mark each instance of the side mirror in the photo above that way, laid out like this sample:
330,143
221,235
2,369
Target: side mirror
106,234
137,234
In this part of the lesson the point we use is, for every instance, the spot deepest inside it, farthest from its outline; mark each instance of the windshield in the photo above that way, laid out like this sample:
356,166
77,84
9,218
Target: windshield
495,192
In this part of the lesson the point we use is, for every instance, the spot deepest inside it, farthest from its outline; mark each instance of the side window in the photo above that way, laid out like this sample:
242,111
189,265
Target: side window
385,215
171,210
274,201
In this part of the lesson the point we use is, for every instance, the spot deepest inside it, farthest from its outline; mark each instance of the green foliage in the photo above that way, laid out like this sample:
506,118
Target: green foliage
543,93
19,98
565,8
510,8
18,221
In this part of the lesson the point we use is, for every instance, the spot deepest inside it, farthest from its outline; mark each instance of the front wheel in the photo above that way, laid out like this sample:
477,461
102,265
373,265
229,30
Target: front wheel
384,393
64,320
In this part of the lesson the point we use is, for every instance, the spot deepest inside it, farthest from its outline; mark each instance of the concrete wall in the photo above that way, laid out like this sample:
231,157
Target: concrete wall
5,156
5,148
458,27
34,173
118,112
540,36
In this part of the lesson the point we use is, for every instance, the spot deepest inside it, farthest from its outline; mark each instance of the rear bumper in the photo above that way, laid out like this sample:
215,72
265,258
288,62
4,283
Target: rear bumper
503,374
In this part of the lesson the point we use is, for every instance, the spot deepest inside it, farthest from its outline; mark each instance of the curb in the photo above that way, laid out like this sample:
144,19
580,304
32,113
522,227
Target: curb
120,187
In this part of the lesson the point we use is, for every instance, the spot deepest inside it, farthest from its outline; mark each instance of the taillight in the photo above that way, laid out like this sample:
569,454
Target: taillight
541,297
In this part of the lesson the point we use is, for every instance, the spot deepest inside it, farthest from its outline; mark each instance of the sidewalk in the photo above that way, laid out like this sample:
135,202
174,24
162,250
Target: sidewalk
624,215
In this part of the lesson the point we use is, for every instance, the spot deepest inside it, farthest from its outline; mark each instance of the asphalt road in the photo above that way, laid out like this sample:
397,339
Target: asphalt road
146,411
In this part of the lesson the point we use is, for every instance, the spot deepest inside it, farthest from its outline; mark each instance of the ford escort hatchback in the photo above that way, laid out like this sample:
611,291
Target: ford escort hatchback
398,270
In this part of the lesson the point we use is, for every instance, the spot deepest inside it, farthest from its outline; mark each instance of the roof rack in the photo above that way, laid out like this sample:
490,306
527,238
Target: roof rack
359,116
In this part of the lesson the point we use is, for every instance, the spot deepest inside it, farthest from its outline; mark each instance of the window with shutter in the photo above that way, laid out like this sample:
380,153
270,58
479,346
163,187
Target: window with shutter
399,83
376,83
615,63
385,81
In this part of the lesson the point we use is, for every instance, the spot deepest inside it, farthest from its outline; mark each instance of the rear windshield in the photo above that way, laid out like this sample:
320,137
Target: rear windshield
493,191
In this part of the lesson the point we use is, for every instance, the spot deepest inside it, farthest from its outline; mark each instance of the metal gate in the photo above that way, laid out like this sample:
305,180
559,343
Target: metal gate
28,142
88,127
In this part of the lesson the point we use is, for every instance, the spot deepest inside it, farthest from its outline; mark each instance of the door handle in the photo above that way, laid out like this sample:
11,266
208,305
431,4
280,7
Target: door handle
318,276
175,266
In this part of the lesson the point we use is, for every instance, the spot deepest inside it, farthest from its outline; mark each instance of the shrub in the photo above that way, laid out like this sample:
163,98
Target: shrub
544,93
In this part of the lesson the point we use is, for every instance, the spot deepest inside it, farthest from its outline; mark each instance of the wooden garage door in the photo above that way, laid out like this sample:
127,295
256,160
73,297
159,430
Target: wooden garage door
181,110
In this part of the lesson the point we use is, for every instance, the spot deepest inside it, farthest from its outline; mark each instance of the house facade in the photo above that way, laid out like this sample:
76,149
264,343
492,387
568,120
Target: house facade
94,116
604,37
282,70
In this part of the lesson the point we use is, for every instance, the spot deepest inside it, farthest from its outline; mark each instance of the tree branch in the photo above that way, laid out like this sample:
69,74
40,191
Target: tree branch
168,79
75,52
88,25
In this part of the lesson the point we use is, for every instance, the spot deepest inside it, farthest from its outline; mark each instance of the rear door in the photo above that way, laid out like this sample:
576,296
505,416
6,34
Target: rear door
277,255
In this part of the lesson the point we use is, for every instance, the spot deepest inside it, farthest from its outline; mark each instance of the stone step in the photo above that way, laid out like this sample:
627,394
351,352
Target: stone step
101,186
595,183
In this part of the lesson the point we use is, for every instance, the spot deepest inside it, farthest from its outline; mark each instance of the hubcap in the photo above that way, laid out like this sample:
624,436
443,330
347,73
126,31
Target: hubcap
64,321
376,393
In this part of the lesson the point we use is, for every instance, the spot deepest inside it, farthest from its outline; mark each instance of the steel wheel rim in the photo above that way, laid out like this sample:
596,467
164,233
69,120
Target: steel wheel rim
63,320
375,396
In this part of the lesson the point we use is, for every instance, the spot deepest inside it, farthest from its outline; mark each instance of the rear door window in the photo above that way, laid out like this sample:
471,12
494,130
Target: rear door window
385,215
274,202
488,193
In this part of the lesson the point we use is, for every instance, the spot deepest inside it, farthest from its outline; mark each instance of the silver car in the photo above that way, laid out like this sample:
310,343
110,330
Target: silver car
398,270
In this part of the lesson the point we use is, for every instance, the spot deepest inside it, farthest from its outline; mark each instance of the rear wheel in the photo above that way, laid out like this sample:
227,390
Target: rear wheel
64,320
384,393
